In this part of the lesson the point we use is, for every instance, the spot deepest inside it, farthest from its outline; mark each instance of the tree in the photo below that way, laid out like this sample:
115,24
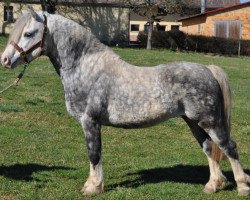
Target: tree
155,10
49,5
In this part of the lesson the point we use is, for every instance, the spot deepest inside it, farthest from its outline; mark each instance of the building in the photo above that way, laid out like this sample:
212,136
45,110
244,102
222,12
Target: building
107,19
110,20
228,22
9,12
139,23
170,22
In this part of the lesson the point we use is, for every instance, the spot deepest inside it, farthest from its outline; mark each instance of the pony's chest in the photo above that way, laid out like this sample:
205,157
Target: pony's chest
75,103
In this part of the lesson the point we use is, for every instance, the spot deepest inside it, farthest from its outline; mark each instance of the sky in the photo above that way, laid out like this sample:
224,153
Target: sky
244,1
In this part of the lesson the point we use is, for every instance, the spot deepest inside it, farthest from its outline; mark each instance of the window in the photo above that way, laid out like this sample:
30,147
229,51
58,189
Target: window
175,27
135,27
228,29
8,13
161,28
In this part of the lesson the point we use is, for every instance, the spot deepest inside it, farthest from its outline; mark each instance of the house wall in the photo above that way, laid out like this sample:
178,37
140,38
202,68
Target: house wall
133,34
206,23
109,24
6,27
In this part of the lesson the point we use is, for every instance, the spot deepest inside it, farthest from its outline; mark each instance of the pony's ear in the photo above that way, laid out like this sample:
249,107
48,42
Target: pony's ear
34,14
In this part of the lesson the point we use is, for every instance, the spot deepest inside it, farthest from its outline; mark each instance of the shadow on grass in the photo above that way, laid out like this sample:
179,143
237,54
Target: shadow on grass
24,172
178,174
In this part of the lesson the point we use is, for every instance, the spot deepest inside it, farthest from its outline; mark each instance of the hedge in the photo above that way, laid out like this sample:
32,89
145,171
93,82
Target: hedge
177,40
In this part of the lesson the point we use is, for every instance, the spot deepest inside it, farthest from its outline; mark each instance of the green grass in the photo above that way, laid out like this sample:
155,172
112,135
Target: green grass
43,154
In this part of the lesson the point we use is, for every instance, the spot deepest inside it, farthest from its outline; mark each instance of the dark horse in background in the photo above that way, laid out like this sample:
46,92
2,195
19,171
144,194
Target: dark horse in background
101,89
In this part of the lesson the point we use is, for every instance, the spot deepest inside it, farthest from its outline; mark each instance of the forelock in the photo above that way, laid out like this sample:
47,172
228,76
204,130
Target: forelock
19,26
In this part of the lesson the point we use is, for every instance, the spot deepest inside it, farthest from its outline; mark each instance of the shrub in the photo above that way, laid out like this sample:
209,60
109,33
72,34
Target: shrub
177,40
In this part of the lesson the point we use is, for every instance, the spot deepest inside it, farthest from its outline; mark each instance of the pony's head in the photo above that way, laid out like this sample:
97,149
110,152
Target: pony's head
26,41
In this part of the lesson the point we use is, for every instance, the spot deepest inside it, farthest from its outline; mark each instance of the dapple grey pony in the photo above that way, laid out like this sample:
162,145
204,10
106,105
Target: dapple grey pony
102,89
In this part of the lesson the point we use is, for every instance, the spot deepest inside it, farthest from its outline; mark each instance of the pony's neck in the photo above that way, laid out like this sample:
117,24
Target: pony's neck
68,43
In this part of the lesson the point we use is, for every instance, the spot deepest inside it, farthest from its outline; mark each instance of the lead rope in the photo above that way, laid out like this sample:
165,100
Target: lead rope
15,82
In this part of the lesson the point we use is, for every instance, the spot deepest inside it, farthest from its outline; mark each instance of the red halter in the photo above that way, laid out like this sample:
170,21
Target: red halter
23,54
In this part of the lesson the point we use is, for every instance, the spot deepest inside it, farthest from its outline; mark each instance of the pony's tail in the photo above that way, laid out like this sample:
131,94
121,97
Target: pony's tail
222,79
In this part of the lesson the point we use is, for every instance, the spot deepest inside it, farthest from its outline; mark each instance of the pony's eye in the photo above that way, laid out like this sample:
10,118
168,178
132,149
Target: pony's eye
27,34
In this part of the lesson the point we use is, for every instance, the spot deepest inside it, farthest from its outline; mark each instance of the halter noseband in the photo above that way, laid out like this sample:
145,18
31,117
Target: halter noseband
23,54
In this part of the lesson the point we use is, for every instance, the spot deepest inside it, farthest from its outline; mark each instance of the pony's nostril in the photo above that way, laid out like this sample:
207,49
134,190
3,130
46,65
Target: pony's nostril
6,60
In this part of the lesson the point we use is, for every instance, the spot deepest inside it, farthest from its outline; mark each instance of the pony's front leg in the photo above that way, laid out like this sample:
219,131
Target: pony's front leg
92,131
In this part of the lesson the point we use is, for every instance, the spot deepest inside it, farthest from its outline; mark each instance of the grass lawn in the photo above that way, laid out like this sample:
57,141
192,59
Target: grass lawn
43,154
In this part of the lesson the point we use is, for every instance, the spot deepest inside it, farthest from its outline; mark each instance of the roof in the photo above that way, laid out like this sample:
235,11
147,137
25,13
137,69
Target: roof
119,3
91,1
217,3
169,18
76,2
71,1
210,3
236,6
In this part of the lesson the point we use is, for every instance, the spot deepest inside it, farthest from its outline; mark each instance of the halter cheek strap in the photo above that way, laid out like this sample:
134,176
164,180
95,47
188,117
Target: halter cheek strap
23,54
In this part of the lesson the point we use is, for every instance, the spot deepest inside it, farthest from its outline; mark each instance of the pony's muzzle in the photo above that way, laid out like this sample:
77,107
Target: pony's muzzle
5,60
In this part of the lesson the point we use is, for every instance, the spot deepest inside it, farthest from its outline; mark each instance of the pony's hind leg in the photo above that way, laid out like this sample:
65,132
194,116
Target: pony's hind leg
229,148
241,178
92,131
217,179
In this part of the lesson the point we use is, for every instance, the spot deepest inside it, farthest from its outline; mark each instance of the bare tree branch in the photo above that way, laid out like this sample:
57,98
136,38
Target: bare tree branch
155,10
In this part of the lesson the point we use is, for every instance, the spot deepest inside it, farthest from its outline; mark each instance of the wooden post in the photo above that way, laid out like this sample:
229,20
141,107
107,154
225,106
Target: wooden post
240,36
239,47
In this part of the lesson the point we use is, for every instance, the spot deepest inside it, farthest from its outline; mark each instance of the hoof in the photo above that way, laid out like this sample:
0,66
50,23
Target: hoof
91,189
209,190
248,178
244,191
214,186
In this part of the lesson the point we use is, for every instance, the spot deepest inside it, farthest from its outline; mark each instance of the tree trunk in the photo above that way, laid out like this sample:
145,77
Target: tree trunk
150,32
49,6
43,3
